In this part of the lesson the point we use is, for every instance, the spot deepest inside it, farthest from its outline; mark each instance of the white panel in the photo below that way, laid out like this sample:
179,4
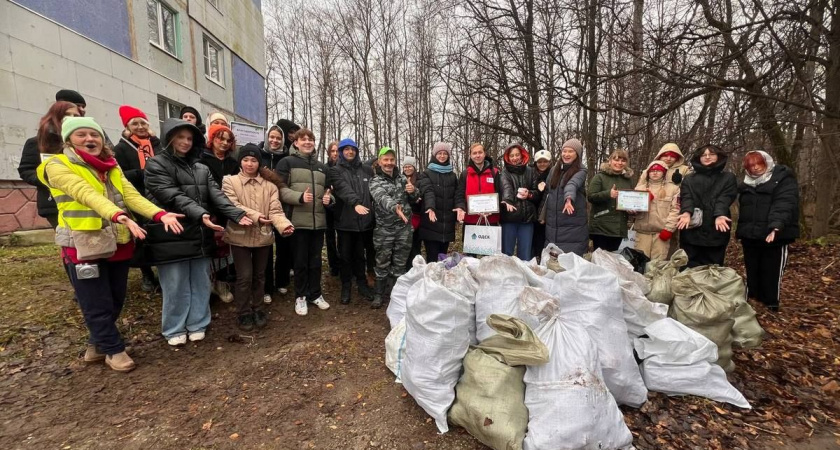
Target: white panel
85,52
38,64
129,71
34,96
93,83
8,94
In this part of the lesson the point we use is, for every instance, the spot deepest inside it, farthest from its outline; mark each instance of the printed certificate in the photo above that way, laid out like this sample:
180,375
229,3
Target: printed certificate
631,200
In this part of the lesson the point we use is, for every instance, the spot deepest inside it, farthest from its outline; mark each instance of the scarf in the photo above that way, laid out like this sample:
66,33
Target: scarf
144,149
102,166
750,180
435,167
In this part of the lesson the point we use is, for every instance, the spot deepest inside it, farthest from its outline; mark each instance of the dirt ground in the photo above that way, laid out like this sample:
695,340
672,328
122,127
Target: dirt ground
320,381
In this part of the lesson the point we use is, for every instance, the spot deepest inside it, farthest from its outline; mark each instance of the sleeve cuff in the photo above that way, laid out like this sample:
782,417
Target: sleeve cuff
157,216
116,217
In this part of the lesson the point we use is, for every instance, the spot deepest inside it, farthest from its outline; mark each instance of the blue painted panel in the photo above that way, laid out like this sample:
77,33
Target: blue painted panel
104,21
248,92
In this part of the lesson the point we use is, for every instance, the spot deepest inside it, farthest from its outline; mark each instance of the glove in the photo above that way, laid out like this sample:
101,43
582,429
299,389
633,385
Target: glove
665,235
677,177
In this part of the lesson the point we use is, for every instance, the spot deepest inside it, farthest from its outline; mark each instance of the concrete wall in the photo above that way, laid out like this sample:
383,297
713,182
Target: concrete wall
101,48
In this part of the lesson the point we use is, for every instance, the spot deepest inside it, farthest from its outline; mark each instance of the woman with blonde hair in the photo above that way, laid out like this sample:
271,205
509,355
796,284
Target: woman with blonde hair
608,225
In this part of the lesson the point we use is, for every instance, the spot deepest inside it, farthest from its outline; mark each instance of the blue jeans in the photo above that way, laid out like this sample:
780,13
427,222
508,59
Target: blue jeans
186,296
518,232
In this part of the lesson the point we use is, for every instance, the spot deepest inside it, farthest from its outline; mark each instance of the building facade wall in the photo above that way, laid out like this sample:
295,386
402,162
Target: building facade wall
101,48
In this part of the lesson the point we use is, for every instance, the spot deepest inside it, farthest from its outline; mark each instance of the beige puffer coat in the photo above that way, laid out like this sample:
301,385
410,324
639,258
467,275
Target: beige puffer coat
678,166
664,208
258,197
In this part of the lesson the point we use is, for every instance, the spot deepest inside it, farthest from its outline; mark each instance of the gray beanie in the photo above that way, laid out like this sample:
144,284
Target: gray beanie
573,144
410,161
442,147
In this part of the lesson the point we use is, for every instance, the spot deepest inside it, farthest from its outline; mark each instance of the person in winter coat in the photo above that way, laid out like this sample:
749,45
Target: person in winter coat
564,202
191,115
672,157
218,155
542,166
279,262
331,239
768,222
47,142
96,231
706,197
655,228
353,216
520,200
253,191
438,186
176,180
607,225
392,196
480,177
304,192
136,146
409,171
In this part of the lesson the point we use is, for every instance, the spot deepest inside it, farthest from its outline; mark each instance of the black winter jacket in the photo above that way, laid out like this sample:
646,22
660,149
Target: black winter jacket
30,159
513,178
768,206
567,231
219,167
438,191
183,185
126,154
351,186
713,190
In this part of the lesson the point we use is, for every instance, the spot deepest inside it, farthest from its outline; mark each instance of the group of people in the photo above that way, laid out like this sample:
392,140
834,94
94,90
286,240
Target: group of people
188,197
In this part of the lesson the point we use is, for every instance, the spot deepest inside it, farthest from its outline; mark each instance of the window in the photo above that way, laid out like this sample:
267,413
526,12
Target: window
168,109
162,26
212,60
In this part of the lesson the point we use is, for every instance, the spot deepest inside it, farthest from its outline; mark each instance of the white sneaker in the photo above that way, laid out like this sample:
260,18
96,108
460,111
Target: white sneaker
197,336
283,291
267,299
177,340
321,303
300,306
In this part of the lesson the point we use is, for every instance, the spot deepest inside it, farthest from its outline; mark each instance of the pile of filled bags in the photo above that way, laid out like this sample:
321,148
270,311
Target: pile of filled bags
534,356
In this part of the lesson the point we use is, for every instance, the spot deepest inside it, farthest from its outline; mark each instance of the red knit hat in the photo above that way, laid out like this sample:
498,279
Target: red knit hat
128,112
671,154
659,167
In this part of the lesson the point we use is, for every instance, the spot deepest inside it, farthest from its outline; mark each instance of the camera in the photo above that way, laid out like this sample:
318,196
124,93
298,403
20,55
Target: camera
87,271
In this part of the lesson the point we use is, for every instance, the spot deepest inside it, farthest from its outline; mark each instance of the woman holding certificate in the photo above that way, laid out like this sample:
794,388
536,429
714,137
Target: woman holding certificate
564,201
705,198
607,223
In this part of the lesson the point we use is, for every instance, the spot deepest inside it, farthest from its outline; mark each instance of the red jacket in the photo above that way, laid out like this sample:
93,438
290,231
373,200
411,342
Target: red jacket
478,181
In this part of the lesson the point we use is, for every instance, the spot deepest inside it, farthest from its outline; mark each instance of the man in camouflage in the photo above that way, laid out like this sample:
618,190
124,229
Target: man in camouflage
392,196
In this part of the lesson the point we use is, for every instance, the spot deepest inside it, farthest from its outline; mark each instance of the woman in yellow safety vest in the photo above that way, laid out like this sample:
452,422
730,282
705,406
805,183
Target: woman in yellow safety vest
95,230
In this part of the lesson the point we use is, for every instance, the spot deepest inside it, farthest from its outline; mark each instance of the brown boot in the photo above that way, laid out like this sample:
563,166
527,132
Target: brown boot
92,355
120,362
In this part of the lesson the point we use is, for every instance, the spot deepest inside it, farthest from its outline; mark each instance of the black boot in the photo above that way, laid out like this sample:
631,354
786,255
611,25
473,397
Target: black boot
345,293
378,292
364,289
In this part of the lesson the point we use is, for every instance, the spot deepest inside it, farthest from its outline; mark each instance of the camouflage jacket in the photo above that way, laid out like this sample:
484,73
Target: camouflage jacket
388,191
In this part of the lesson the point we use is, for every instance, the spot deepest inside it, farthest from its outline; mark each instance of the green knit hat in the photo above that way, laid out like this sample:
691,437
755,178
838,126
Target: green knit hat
71,124
385,150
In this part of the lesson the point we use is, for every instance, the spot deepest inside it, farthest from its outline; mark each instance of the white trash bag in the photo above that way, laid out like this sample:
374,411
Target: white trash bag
399,294
639,312
569,406
395,349
500,281
681,361
439,316
590,296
